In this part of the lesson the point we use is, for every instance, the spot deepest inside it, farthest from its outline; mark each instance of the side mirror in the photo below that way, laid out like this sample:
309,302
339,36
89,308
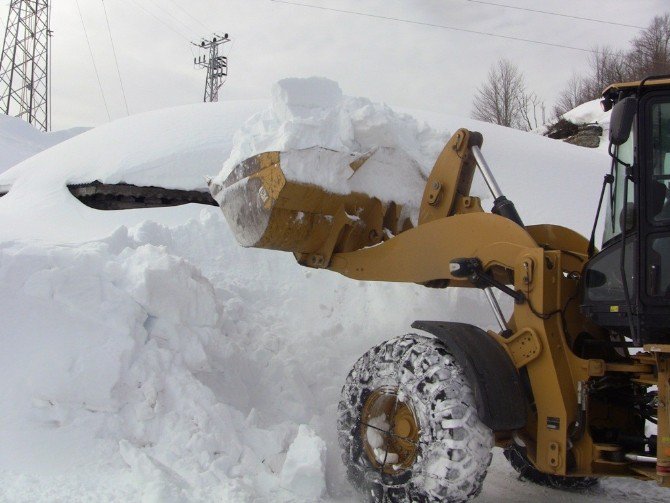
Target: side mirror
621,121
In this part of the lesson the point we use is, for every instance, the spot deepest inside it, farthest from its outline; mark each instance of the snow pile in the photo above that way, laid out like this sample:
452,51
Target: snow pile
147,357
19,140
303,470
173,361
387,173
589,113
338,143
587,117
172,148
592,113
313,112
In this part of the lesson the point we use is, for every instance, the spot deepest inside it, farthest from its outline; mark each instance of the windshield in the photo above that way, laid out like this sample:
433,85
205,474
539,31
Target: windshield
614,215
660,161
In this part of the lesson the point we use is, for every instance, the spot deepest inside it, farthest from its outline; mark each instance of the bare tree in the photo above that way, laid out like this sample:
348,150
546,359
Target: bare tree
574,94
607,66
531,111
497,99
650,54
502,99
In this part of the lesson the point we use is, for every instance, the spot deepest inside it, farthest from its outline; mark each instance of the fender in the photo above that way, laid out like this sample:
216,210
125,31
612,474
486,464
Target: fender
499,396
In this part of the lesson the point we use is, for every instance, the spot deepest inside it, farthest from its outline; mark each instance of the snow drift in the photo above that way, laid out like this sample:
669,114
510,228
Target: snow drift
146,356
19,140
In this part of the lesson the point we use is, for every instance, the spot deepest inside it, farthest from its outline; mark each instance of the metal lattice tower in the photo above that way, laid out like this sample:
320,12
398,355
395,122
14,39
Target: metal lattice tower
217,65
24,65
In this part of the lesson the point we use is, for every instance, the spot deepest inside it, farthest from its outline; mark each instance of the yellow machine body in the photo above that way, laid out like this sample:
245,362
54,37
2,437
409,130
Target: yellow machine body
368,239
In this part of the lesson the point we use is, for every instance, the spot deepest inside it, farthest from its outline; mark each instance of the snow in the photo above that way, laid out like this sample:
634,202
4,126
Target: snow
592,113
376,440
387,173
172,148
19,140
589,113
374,436
303,470
299,117
147,357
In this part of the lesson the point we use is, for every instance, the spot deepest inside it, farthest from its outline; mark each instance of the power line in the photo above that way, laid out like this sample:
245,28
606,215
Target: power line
95,67
190,15
434,25
168,26
166,11
116,61
557,14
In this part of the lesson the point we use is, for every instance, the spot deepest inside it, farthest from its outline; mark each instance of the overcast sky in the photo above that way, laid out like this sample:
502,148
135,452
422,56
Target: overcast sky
406,65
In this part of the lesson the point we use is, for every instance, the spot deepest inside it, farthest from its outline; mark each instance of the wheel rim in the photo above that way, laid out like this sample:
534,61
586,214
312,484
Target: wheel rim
389,431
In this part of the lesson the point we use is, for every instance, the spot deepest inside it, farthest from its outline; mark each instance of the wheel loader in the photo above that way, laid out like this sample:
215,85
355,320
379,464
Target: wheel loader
570,383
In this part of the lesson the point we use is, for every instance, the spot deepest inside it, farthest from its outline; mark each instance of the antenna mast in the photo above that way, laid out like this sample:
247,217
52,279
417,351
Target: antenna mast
24,64
217,65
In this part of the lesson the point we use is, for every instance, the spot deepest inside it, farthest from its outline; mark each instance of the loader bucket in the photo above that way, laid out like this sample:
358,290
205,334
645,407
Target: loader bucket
299,201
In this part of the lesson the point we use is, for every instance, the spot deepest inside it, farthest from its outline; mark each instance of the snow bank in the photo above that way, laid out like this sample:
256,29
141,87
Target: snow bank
19,140
589,113
592,113
173,361
172,148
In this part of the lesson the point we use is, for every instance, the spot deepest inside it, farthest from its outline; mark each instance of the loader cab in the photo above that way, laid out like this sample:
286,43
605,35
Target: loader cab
626,285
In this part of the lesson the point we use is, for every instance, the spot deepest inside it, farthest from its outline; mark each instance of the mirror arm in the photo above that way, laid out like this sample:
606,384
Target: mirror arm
616,158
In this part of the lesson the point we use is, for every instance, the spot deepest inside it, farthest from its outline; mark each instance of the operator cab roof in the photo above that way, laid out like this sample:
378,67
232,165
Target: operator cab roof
629,87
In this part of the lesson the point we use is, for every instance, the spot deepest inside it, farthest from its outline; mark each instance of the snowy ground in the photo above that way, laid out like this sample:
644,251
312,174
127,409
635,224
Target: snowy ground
148,357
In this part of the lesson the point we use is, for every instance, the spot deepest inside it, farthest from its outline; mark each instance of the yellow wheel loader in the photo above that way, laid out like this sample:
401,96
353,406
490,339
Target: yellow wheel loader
570,382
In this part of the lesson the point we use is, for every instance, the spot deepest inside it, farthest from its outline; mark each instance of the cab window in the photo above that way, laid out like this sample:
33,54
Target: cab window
615,214
659,205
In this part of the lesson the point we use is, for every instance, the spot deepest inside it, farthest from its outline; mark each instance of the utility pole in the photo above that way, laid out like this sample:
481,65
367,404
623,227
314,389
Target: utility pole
217,65
24,64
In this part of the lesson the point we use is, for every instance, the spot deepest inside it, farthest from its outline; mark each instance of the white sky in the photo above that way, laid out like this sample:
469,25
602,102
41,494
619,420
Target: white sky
401,64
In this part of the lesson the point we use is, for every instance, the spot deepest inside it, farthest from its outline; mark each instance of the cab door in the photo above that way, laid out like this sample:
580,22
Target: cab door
654,163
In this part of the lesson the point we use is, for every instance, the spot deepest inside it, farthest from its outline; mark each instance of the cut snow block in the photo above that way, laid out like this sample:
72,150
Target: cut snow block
310,202
303,472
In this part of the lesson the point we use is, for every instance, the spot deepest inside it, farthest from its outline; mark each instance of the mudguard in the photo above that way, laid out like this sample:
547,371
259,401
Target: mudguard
499,396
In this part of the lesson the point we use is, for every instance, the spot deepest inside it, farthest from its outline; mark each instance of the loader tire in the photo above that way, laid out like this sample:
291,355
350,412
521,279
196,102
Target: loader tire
520,462
408,427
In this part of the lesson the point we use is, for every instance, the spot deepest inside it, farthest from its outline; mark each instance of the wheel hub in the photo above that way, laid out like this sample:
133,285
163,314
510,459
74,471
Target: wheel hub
389,431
